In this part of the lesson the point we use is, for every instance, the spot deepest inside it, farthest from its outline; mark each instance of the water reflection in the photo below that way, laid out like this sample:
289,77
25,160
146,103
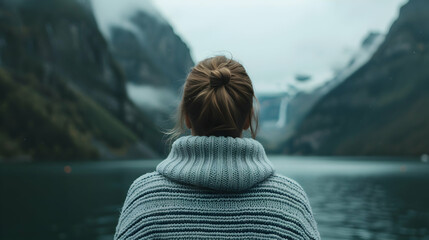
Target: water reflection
366,199
369,208
351,198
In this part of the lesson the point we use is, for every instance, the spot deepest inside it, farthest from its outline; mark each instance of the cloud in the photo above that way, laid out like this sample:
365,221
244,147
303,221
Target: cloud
274,39
117,13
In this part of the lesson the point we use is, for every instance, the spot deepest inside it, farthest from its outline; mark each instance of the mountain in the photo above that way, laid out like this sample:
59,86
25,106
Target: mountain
382,108
62,94
288,109
155,61
151,52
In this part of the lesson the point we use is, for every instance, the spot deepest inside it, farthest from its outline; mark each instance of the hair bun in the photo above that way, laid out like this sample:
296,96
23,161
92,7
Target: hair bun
220,77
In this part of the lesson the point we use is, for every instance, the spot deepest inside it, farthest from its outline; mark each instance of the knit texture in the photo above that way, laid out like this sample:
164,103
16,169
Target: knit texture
216,188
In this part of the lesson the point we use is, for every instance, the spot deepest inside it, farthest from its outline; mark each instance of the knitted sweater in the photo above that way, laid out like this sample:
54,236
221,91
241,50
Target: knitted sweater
216,188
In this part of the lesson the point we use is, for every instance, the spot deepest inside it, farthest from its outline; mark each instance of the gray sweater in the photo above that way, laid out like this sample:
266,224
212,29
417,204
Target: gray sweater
216,188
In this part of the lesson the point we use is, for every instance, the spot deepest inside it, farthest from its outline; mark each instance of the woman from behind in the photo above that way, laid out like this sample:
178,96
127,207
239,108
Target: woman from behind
215,184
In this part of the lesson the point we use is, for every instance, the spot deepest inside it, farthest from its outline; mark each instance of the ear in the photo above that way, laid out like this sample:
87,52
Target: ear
188,122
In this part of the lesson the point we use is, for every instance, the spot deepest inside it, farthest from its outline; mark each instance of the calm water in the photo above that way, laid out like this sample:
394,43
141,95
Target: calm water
352,198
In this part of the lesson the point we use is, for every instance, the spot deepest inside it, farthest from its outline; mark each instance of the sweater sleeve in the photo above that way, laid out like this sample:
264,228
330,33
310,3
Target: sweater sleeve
307,219
126,213
120,225
313,223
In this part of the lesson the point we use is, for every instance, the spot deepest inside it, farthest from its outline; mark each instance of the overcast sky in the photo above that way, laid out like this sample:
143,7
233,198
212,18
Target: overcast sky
273,39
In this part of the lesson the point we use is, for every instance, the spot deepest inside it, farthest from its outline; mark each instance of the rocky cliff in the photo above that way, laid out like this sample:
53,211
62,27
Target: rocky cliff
155,61
151,53
296,104
382,108
63,95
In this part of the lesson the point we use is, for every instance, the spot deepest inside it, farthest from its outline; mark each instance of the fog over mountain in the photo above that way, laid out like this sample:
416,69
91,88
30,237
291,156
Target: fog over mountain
117,13
276,40
69,89
382,108
62,90
154,58
282,113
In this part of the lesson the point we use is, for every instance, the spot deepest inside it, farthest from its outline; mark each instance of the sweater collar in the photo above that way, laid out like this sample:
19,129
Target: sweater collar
219,163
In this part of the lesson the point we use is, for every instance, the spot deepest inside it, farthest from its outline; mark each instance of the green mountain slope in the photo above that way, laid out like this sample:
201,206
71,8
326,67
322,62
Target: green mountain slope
383,108
63,95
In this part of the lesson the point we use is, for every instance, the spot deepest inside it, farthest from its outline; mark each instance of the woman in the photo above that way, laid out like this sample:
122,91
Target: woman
216,184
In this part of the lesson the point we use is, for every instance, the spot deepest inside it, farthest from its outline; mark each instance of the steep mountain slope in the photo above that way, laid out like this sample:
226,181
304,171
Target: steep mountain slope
298,103
63,96
155,62
151,53
381,109
304,101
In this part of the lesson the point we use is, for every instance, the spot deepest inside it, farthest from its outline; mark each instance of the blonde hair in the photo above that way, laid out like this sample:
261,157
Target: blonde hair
218,100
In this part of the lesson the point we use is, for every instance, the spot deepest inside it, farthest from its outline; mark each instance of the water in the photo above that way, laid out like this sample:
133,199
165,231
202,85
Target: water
352,198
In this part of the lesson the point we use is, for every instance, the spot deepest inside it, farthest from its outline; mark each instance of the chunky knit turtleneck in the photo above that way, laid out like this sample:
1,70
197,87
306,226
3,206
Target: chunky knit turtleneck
220,163
216,188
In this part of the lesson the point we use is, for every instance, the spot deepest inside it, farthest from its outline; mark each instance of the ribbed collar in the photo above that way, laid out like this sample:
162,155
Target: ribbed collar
220,163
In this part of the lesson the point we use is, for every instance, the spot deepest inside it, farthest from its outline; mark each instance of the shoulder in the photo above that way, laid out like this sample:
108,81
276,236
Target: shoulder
148,181
284,180
287,184
285,188
147,178
153,183
144,188
296,200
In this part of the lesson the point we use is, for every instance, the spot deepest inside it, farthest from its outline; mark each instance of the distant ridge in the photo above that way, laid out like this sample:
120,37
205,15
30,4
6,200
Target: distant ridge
381,109
62,93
